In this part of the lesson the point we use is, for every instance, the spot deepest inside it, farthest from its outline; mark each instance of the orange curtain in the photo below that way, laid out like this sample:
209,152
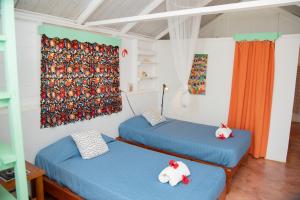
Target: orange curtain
252,90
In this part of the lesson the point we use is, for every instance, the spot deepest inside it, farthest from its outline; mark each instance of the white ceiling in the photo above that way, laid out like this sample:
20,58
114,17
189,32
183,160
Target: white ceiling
108,9
118,8
70,9
152,28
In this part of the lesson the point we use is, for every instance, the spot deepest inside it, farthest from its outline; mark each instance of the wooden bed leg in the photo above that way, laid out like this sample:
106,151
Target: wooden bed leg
223,194
39,188
228,180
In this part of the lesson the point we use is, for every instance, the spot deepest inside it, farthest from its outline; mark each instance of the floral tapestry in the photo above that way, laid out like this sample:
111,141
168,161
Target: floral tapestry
197,80
79,81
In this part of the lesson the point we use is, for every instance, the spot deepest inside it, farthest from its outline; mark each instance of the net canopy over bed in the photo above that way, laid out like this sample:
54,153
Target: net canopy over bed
183,32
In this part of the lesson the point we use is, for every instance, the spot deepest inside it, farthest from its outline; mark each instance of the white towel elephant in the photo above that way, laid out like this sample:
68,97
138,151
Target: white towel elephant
174,173
224,132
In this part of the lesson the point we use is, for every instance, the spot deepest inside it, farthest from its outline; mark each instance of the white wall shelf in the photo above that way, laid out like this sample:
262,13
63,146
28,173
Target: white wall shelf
143,52
143,63
145,72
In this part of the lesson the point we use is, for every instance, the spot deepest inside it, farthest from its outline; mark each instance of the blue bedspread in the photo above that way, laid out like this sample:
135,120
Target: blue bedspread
186,138
126,172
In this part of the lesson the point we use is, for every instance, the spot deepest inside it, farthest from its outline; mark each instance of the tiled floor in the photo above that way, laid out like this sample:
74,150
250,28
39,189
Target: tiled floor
262,179
268,180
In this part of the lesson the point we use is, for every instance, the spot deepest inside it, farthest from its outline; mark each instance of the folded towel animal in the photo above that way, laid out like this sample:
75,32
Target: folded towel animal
224,132
174,173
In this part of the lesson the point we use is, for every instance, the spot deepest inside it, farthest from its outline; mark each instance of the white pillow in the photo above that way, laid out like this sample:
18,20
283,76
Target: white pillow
90,144
154,117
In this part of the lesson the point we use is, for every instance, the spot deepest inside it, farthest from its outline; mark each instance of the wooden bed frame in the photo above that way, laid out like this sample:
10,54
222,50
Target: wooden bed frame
63,193
230,172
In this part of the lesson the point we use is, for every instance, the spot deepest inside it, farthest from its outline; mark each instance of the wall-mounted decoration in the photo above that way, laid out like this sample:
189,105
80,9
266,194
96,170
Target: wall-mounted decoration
79,81
124,52
197,80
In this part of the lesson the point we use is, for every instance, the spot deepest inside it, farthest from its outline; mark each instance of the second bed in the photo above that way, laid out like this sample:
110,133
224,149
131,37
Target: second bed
188,140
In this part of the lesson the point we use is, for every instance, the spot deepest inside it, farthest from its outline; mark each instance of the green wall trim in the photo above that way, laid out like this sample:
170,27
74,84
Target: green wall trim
257,36
73,34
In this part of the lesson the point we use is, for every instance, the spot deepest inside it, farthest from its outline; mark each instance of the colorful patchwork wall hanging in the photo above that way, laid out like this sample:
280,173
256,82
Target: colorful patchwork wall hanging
197,80
79,81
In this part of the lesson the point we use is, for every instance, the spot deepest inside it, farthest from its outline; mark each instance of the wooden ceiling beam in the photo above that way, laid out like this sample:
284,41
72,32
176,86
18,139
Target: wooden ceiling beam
90,9
165,31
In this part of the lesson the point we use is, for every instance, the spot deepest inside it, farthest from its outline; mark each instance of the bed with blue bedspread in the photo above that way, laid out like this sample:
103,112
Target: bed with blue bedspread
126,172
187,138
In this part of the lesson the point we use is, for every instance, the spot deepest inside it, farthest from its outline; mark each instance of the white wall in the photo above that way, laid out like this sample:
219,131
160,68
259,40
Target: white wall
28,49
261,20
213,107
286,61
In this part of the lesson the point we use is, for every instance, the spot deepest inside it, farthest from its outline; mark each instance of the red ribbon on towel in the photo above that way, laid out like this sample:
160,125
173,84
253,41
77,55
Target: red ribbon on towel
222,137
173,164
185,180
223,125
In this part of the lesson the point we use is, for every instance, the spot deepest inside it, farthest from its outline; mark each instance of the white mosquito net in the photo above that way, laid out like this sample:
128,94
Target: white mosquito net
183,32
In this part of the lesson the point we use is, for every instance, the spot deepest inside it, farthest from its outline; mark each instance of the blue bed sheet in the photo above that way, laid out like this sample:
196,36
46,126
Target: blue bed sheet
127,172
186,138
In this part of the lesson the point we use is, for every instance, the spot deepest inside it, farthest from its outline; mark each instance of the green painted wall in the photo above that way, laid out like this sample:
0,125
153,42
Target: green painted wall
73,34
257,36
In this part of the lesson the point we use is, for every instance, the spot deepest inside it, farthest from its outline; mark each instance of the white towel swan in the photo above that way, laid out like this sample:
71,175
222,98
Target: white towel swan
224,132
174,175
